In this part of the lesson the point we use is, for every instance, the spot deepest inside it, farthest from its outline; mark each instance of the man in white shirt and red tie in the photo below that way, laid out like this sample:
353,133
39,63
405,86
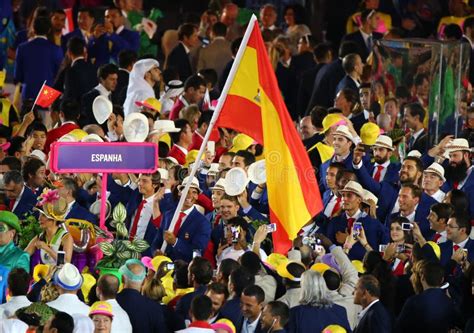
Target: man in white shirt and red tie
459,246
144,218
433,179
383,169
191,232
331,199
438,218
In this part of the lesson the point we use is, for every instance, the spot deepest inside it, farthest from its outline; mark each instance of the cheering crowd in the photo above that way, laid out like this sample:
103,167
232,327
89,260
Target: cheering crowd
390,251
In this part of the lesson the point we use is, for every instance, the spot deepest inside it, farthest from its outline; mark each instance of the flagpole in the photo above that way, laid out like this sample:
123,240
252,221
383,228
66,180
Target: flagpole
37,96
215,116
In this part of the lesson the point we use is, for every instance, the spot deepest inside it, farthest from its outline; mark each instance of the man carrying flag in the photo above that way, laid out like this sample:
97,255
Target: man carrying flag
251,92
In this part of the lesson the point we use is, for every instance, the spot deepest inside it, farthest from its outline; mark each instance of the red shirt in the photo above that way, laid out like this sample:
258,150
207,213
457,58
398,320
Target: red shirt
178,154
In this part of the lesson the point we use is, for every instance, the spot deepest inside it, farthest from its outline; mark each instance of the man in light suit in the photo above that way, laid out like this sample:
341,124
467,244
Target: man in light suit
374,318
37,60
191,232
218,53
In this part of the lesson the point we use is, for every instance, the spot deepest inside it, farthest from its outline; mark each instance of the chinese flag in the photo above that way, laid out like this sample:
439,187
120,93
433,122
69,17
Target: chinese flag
254,105
47,96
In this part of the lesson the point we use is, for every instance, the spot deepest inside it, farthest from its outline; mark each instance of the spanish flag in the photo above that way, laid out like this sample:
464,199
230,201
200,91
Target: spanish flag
252,103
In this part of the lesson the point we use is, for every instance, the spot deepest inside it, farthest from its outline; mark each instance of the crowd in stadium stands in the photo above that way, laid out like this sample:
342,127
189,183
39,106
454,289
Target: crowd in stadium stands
391,249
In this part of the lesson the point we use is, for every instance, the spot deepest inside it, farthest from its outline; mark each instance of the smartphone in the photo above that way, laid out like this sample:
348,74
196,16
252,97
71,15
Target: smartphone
211,147
169,266
357,227
60,260
400,248
235,234
407,226
196,253
382,247
272,227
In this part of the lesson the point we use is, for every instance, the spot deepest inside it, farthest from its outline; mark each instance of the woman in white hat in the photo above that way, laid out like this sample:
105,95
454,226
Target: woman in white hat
54,237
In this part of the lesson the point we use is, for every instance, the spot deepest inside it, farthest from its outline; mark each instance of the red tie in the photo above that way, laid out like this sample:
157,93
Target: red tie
133,231
350,223
455,185
178,224
337,206
378,173
456,247
12,204
436,237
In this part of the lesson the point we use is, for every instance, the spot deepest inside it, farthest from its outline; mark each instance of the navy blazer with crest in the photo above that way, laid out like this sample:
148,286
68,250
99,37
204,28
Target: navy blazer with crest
26,204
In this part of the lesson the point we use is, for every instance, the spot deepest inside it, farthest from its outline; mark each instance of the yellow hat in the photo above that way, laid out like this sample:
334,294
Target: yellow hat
369,132
331,120
150,103
334,329
320,267
166,138
158,260
101,308
88,281
40,272
191,157
78,134
282,270
359,266
436,248
274,260
241,142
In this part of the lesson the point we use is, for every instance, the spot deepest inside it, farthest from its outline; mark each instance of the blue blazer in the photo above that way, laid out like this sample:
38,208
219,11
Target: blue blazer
184,303
231,310
430,311
306,318
145,315
179,60
376,320
421,215
468,188
102,53
26,204
346,82
391,175
447,251
375,232
75,33
79,212
36,61
194,234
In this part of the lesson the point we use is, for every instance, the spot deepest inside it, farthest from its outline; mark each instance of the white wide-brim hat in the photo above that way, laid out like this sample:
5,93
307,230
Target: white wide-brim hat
102,109
135,127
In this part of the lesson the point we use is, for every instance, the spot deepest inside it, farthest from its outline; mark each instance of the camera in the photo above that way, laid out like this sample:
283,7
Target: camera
400,248
382,247
272,227
313,242
407,226
235,234
196,253
169,266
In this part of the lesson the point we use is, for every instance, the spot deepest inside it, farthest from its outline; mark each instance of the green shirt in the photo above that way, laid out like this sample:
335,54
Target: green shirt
13,257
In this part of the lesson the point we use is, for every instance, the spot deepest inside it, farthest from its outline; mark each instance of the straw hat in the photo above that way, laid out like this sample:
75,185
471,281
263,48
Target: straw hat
354,187
384,141
369,196
52,205
437,169
343,130
219,185
68,277
457,145
194,184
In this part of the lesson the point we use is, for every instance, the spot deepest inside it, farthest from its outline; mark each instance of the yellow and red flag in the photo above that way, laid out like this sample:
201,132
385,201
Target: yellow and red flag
47,96
253,104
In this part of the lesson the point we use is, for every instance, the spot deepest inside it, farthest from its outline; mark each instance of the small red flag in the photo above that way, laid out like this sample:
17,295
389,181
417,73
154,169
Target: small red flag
47,96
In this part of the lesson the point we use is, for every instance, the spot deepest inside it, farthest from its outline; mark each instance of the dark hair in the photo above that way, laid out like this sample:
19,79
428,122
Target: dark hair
239,221
179,123
254,291
63,322
416,191
106,70
321,50
108,285
349,62
16,145
317,115
89,11
18,282
241,278
70,110
186,30
209,75
442,210
219,29
247,156
433,273
418,162
234,47
71,185
205,118
251,261
12,176
115,8
201,307
12,162
298,12
42,25
280,309
76,46
36,126
371,284
218,288
408,235
181,274
127,58
194,81
459,201
201,269
365,14
351,96
453,31
462,220
348,47
30,167
227,266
